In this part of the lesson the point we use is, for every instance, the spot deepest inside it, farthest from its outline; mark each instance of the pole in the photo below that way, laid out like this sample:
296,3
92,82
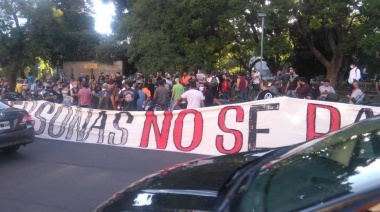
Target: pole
262,44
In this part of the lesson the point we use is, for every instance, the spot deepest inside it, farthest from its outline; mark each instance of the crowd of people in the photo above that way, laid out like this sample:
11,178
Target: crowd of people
117,92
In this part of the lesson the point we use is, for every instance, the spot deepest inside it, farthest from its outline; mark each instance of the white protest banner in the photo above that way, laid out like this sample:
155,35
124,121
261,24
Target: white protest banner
216,130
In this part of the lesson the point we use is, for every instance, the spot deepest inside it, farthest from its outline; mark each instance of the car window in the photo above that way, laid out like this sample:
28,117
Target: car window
3,106
343,163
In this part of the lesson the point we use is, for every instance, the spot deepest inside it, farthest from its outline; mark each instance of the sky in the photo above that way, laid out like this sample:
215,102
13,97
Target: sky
103,16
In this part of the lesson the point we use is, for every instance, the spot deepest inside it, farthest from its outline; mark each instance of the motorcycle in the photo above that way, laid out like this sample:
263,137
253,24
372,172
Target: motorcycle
13,96
151,106
317,79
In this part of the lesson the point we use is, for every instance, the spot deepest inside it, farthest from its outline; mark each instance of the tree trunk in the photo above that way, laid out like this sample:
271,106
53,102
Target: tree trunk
332,75
332,66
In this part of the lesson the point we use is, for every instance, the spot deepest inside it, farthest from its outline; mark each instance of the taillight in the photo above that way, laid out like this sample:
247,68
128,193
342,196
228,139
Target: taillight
25,118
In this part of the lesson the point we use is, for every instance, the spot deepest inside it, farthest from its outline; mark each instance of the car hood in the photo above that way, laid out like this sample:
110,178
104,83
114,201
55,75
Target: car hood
187,186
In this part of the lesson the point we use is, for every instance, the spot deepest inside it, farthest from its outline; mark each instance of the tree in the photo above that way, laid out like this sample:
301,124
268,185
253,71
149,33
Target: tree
63,31
14,55
326,27
368,36
199,33
52,31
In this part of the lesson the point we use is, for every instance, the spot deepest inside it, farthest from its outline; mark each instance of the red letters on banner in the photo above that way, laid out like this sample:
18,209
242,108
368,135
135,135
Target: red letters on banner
161,138
198,130
311,118
222,125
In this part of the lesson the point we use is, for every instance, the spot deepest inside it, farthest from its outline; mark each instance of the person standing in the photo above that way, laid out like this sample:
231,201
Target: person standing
106,98
118,80
221,79
30,79
147,92
58,88
128,97
256,77
85,96
285,79
73,92
178,89
82,78
101,79
265,92
225,87
278,81
354,75
210,99
63,77
377,79
293,83
161,95
242,85
195,98
214,82
185,79
151,86
142,97
111,80
94,86
168,82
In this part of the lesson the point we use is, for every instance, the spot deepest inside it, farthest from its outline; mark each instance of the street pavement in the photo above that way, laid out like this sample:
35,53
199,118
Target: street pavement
61,176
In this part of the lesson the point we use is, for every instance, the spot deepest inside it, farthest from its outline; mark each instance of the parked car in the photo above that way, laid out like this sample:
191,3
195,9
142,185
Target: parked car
16,128
338,172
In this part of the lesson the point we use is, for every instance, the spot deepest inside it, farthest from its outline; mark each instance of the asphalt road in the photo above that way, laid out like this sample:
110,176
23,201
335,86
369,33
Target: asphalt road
51,175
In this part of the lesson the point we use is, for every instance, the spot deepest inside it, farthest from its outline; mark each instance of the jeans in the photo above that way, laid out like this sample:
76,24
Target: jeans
225,95
243,95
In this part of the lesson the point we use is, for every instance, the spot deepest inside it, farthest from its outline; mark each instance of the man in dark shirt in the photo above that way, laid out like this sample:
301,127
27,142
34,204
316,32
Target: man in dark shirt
161,95
106,98
128,97
101,79
265,93
118,80
210,99
377,80
58,88
285,79
50,94
292,84
151,86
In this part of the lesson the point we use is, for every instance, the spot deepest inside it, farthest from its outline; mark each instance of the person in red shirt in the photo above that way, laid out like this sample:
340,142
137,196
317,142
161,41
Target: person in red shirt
225,86
85,96
242,85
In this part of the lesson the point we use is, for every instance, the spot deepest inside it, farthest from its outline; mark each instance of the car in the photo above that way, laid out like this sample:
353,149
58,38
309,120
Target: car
336,172
16,128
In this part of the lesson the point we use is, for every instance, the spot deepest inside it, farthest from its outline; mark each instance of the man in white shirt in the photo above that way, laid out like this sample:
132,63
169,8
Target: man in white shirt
354,74
325,89
195,98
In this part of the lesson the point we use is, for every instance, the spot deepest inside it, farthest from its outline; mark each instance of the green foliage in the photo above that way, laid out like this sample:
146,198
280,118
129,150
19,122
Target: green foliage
44,68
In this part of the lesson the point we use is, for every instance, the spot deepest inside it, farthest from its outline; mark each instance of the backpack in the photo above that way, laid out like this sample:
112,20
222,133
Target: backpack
214,82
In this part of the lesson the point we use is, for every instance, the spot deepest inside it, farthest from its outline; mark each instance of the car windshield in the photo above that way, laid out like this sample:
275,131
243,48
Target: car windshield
3,106
316,172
